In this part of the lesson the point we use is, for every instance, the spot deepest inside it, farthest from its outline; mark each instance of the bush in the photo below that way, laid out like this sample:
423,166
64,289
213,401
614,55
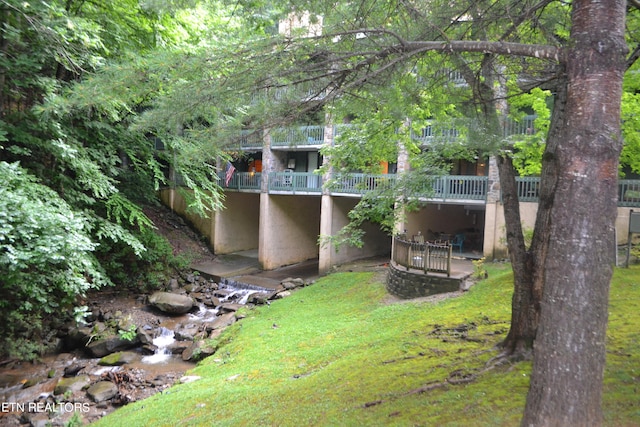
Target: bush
46,258
146,271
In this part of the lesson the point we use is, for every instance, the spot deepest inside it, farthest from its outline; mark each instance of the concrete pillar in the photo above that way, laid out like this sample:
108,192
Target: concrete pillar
326,250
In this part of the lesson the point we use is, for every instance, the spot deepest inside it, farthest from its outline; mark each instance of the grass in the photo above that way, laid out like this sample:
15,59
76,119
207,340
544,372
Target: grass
339,354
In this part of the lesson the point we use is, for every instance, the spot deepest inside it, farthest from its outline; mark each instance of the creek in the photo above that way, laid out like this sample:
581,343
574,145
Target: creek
150,367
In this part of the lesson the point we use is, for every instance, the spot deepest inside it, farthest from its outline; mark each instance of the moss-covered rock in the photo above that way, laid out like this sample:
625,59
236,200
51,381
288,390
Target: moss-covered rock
119,358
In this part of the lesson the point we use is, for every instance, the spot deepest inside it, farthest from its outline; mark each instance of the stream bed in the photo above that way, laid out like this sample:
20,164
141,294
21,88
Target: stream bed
67,384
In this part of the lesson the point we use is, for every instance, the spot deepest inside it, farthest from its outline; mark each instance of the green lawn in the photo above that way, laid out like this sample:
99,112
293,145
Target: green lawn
338,354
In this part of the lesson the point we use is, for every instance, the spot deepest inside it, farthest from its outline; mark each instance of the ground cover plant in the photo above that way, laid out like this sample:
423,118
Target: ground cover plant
343,352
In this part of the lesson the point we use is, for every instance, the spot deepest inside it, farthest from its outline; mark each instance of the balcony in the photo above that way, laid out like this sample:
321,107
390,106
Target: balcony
450,188
459,187
288,182
309,137
628,191
435,133
242,181
359,183
251,140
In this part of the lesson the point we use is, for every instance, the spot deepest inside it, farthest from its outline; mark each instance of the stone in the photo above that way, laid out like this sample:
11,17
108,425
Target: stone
102,390
198,350
291,283
173,284
72,384
211,301
189,379
177,347
224,320
171,303
78,337
282,294
118,359
258,298
145,336
187,332
108,345
230,307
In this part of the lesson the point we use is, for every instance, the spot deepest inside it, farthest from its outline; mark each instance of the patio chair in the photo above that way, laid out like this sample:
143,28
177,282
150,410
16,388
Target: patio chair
458,242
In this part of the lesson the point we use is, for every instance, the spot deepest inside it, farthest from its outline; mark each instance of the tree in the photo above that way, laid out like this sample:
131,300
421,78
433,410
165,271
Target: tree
96,168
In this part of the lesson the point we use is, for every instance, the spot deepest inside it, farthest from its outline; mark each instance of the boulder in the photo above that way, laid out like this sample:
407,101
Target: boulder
228,307
171,303
187,332
223,321
291,283
118,359
110,344
72,384
258,298
102,390
198,350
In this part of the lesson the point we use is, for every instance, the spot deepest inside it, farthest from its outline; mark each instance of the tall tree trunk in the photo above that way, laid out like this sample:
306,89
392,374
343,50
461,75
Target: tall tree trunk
524,310
528,265
569,358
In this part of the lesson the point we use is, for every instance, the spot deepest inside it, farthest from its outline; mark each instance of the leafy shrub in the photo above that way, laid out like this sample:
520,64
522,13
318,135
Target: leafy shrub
46,258
145,271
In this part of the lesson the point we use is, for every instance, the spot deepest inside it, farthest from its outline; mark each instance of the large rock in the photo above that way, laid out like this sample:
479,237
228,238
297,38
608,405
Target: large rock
102,390
103,346
171,303
223,321
198,350
71,384
119,358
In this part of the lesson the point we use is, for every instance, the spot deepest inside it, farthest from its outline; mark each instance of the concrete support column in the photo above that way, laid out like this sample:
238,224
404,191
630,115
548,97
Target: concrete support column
403,166
325,256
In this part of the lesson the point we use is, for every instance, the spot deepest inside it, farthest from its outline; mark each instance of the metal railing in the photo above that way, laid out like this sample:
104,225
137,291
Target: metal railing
467,187
295,136
242,181
528,188
628,190
431,132
434,133
251,139
295,182
432,257
437,132
524,126
359,183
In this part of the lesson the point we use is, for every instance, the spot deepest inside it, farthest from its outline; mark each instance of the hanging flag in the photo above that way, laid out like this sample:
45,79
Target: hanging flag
229,174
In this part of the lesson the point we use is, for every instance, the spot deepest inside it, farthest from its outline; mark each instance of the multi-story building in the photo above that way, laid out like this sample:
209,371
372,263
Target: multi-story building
276,203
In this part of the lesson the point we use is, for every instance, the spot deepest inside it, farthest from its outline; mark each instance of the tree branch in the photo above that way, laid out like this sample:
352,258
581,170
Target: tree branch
498,48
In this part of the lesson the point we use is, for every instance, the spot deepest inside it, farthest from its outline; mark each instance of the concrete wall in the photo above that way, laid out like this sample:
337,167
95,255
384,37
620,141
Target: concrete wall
289,229
237,225
444,218
495,236
495,243
335,212
622,225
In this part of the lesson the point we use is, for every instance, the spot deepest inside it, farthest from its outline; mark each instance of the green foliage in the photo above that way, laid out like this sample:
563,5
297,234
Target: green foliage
46,253
128,334
529,148
146,270
479,269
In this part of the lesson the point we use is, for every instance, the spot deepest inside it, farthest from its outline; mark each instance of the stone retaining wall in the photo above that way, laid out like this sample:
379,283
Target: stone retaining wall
408,284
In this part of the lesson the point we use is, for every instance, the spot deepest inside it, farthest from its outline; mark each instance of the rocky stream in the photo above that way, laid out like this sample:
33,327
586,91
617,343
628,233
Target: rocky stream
128,348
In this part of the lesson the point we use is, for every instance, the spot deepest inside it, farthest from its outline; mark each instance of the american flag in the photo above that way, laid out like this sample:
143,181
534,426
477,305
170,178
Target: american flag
229,174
